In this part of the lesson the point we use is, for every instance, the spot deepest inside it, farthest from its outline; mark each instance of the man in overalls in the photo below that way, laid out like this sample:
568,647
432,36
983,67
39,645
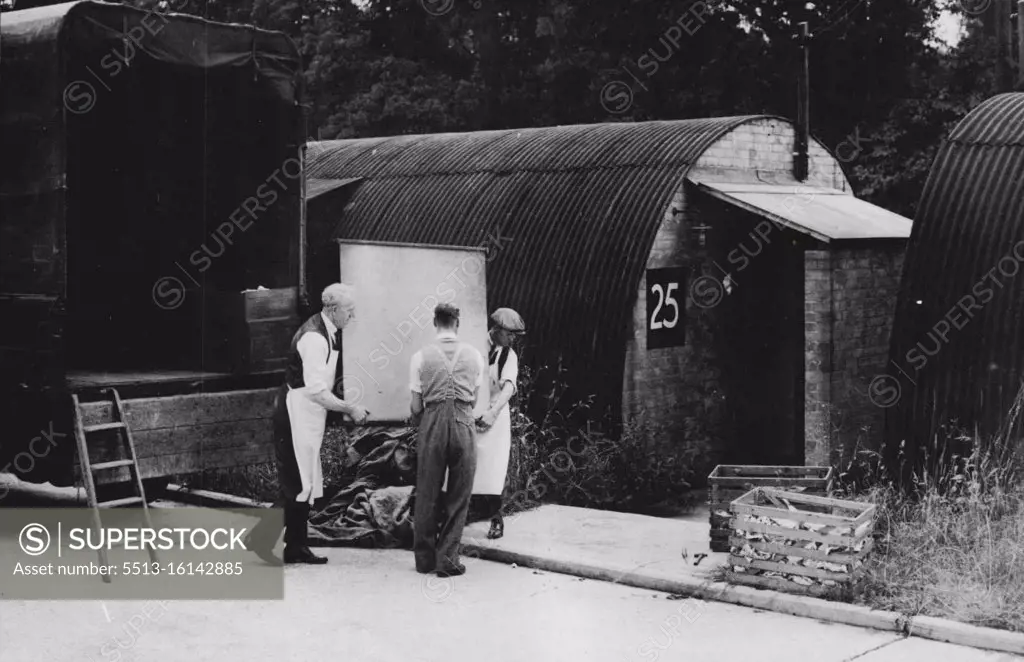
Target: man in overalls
445,379
300,419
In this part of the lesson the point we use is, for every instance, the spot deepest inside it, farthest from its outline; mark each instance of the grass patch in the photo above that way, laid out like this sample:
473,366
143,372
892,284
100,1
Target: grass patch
953,545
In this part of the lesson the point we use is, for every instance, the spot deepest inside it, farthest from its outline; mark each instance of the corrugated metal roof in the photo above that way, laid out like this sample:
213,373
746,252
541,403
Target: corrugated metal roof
49,17
569,214
823,213
35,18
958,334
317,187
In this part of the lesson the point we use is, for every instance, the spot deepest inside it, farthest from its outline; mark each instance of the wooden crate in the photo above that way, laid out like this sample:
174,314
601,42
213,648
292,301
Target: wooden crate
798,543
186,434
730,481
250,332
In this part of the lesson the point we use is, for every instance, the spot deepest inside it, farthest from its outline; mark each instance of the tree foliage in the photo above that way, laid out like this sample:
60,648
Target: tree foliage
883,92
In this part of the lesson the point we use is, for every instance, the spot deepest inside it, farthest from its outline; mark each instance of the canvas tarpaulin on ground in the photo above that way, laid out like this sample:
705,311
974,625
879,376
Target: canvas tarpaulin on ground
372,504
374,508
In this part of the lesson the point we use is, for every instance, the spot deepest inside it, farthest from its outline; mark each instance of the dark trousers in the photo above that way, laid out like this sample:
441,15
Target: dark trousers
486,506
296,515
445,443
296,526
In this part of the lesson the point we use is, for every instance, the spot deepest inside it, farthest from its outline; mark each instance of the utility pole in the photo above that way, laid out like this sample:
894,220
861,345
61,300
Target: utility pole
304,304
803,120
1004,55
1020,45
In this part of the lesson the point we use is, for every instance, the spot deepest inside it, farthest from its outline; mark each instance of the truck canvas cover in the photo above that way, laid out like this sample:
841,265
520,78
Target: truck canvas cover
128,140
127,137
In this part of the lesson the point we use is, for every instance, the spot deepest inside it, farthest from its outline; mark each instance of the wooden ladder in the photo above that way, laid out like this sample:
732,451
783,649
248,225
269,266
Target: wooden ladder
88,468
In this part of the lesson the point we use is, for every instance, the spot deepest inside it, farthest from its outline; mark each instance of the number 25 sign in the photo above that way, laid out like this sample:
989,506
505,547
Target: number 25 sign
666,307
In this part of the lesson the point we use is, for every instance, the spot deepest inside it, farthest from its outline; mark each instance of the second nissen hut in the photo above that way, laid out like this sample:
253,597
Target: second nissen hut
676,270
955,373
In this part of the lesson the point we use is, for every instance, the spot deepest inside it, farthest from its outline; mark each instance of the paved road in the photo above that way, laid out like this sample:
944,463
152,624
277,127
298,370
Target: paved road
368,606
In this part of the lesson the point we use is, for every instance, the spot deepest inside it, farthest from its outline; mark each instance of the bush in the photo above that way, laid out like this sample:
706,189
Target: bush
564,456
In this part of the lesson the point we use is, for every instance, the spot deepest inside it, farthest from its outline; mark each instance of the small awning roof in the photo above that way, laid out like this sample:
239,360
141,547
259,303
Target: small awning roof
823,213
316,187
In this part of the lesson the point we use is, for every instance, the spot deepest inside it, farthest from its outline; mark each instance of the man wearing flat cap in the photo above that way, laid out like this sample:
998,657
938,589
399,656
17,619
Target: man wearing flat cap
300,420
445,380
494,427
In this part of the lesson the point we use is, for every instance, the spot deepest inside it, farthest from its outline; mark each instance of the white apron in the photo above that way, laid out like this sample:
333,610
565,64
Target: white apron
493,449
308,421
494,446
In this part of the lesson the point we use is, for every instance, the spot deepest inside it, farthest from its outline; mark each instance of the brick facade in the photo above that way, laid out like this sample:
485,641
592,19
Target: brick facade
818,320
763,151
864,284
676,388
681,391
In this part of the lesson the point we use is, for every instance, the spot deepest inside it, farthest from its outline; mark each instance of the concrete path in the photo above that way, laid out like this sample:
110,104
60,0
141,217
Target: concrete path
368,606
667,555
667,547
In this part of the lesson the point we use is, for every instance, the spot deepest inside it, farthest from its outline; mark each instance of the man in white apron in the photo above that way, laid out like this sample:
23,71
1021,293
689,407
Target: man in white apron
300,419
494,427
445,380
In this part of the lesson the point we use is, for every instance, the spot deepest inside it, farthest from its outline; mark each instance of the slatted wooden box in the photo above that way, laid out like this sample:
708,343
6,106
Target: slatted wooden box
730,481
798,543
250,332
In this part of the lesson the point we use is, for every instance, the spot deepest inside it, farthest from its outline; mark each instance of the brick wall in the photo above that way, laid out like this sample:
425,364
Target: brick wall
660,383
817,357
679,389
865,282
766,146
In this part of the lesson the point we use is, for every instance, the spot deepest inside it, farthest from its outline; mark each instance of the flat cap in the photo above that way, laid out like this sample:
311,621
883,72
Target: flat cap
509,320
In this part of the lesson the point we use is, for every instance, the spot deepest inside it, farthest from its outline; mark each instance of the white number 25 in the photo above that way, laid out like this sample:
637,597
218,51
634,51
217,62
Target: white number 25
665,298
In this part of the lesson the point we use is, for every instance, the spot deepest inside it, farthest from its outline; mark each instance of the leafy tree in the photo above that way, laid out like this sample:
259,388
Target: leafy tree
882,90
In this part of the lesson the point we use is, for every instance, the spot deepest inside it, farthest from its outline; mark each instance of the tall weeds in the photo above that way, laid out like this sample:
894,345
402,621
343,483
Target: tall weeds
567,455
953,545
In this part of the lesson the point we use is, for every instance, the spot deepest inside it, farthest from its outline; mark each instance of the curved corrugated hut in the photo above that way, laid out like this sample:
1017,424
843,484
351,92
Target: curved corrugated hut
586,225
959,328
570,214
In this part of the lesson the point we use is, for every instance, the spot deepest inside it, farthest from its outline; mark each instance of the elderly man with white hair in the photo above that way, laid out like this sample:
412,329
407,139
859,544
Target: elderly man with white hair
300,420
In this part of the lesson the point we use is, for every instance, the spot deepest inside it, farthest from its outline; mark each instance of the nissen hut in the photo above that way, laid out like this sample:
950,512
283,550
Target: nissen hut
688,271
956,365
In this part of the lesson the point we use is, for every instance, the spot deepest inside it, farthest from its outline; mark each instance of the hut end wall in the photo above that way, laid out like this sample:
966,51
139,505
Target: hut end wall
849,309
